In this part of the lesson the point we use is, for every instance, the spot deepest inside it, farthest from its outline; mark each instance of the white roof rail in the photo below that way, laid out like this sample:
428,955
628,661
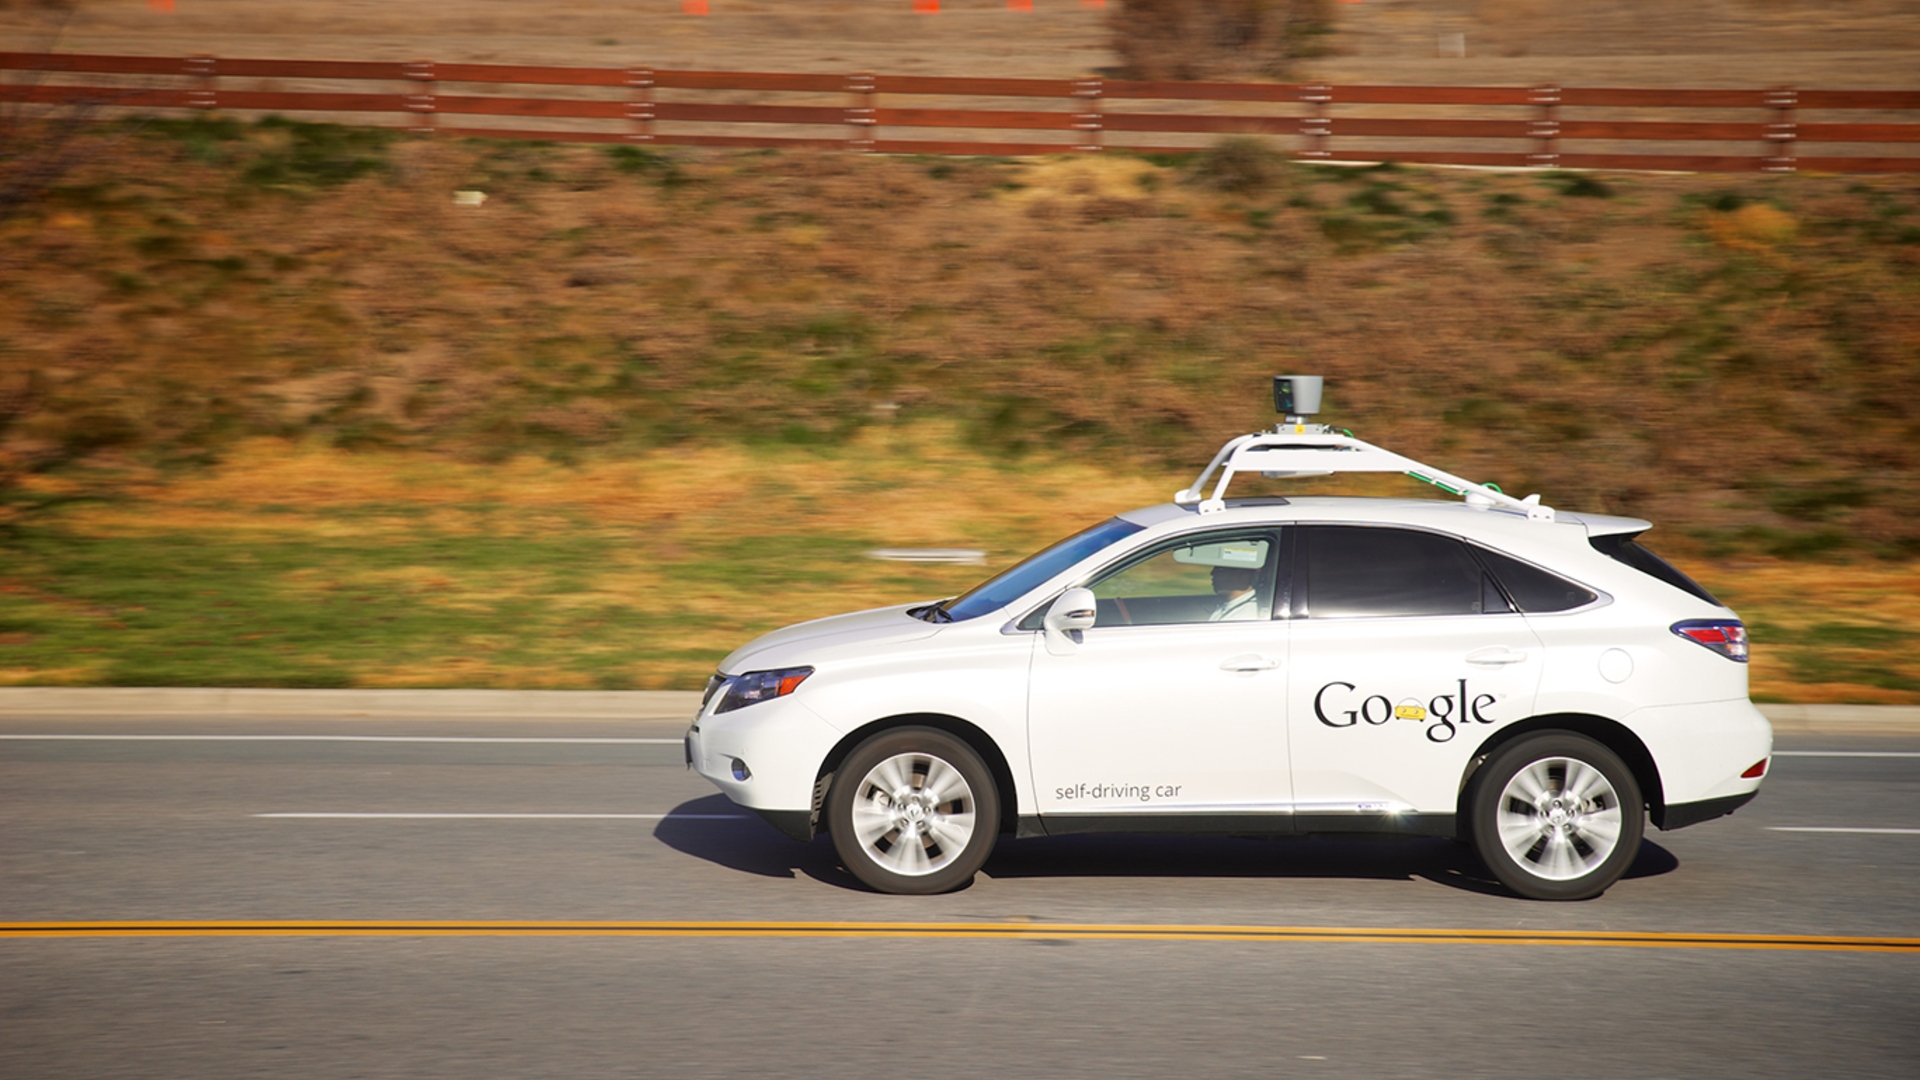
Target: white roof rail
1297,449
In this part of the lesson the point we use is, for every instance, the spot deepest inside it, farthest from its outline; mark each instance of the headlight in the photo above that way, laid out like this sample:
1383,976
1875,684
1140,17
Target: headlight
757,686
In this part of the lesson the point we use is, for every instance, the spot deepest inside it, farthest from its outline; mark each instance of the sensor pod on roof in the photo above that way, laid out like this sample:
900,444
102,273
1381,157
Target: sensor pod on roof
1296,396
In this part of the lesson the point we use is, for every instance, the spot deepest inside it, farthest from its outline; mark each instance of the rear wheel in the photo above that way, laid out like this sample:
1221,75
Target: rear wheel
913,810
1556,816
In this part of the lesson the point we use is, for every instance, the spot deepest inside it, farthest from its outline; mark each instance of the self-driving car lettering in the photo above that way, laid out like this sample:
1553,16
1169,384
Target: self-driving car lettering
1377,709
1141,792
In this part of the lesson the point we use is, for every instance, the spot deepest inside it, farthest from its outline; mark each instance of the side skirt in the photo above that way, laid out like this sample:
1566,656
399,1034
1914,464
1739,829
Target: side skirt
1244,824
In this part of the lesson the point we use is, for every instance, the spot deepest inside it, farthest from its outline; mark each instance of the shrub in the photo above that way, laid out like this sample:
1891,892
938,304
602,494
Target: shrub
1225,39
1241,165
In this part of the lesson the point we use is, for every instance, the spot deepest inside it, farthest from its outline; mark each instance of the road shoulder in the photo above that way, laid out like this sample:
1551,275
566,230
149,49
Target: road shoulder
166,703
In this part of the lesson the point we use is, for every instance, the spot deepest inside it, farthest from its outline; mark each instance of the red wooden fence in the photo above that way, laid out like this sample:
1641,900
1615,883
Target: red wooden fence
1781,129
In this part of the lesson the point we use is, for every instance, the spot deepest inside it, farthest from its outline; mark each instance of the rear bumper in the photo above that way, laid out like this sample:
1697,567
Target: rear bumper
1702,751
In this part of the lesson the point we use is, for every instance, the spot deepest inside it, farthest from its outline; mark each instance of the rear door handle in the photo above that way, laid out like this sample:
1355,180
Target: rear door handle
1496,656
1249,662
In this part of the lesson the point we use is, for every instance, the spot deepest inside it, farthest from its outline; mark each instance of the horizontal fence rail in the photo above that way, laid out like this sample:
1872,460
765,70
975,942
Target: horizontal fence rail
1778,129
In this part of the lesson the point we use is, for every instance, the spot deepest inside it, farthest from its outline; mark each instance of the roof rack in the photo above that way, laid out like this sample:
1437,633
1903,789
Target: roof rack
1299,449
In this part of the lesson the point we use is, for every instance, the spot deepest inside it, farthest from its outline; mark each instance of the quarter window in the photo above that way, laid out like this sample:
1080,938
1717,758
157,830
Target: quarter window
1535,591
1356,570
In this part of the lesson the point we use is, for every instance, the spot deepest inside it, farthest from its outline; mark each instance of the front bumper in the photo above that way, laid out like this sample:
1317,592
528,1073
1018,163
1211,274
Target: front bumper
782,743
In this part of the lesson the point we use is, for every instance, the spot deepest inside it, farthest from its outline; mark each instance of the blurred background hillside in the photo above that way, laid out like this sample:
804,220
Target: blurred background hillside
1854,43
274,410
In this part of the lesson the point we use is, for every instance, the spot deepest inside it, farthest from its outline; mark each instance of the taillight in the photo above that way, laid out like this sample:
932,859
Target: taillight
1755,770
1728,637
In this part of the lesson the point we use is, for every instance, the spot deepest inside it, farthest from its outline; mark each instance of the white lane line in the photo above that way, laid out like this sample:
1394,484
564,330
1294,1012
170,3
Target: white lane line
1836,829
339,738
514,817
1846,753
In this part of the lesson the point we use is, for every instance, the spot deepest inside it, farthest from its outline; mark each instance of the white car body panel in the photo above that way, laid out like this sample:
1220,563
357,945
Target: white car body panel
1375,709
1145,719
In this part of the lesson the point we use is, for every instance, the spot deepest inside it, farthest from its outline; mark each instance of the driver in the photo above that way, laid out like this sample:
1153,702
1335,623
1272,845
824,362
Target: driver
1234,586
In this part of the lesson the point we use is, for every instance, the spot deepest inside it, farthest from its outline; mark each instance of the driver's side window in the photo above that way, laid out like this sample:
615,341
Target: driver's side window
1210,580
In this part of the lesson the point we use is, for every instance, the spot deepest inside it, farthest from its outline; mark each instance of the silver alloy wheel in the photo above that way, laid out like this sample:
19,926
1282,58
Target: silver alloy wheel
1559,818
913,814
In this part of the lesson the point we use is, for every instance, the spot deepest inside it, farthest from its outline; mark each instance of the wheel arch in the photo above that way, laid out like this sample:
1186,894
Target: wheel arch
971,734
1611,734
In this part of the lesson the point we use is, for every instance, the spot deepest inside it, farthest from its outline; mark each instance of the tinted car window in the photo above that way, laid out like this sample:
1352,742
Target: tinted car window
1622,547
1535,591
1207,580
997,592
1355,571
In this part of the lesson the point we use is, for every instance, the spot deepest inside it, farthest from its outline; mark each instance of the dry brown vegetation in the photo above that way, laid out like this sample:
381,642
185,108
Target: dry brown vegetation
1235,39
638,406
1736,358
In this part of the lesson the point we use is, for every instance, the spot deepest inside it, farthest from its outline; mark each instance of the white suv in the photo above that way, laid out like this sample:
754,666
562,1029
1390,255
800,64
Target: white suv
1536,683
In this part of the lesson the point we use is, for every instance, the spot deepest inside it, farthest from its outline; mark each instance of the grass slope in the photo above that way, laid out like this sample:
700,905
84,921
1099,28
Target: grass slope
639,406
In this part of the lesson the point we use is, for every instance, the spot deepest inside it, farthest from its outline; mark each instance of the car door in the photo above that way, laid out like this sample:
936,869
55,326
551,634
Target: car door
1172,704
1403,654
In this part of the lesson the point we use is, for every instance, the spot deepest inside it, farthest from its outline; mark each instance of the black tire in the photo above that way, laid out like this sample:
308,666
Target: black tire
1544,810
913,810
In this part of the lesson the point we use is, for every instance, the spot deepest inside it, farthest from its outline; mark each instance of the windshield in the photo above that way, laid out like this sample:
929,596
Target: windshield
1004,589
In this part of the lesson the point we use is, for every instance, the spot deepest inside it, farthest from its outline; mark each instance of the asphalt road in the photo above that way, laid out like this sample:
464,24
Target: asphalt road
222,834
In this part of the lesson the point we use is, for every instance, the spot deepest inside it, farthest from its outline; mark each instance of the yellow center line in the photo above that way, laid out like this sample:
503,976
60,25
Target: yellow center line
985,930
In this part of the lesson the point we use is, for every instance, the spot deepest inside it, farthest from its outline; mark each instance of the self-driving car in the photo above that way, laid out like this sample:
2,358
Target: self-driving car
1534,682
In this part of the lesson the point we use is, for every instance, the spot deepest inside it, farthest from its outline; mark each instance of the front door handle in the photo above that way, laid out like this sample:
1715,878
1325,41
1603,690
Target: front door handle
1496,656
1250,662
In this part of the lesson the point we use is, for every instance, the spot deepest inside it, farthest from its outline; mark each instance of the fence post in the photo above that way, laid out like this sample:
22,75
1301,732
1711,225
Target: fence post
860,115
640,111
203,92
1782,131
1545,127
420,105
1316,127
1088,121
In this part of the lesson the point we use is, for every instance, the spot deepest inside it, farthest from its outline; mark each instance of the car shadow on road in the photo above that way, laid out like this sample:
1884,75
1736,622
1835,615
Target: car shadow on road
748,844
1468,873
752,846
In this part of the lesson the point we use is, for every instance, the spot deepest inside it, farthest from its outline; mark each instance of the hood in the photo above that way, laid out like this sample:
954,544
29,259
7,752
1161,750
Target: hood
801,642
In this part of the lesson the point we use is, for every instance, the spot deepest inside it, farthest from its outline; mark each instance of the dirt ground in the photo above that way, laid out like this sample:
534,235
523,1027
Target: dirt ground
1826,43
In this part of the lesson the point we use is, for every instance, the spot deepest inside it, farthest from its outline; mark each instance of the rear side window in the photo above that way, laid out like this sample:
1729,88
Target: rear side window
1534,591
1622,547
1359,571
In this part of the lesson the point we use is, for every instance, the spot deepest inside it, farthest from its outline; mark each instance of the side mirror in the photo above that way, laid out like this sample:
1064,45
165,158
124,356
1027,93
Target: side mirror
1073,612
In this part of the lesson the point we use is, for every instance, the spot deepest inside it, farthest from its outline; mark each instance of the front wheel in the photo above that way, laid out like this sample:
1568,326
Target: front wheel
1556,816
913,810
